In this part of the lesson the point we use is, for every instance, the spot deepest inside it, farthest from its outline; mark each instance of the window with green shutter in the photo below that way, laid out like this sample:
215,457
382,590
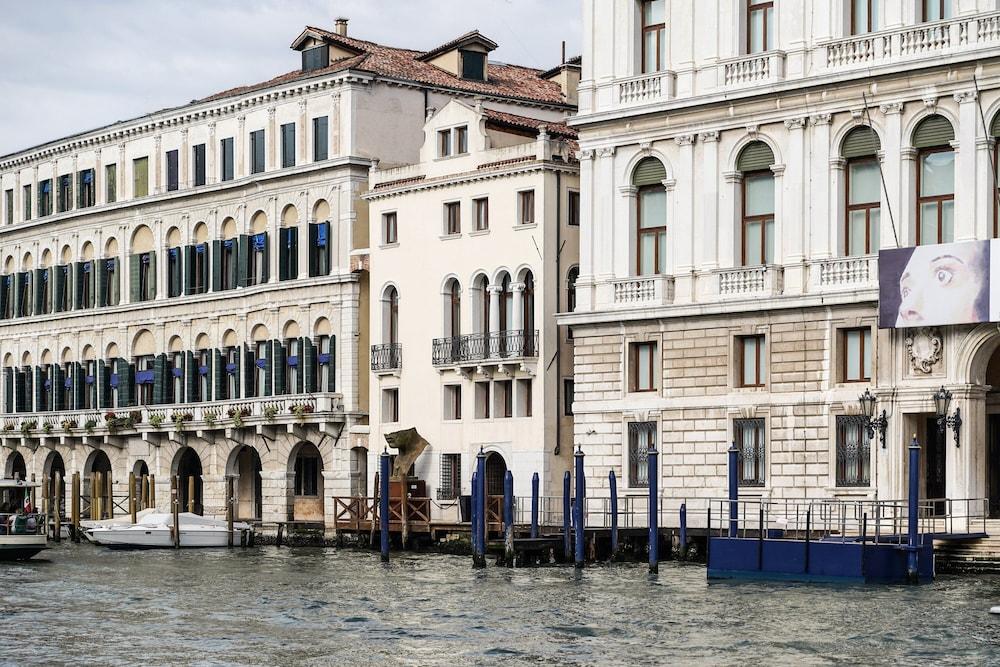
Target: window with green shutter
257,152
111,183
140,177
320,138
288,253
288,145
174,272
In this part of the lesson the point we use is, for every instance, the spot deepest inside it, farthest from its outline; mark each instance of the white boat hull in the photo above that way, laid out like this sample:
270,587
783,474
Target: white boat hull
21,547
159,538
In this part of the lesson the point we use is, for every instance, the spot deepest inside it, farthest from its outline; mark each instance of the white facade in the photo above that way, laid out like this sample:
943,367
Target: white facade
810,286
465,342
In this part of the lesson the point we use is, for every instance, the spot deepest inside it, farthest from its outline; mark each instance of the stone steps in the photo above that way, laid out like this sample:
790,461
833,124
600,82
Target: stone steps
980,556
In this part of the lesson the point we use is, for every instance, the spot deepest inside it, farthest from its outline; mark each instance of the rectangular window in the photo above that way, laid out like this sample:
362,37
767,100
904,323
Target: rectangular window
315,58
140,177
864,188
758,218
936,10
257,148
641,438
573,208
525,399
481,210
503,397
526,207
390,232
175,385
227,164
173,171
26,202
86,188
749,437
257,269
8,207
45,198
63,292
461,140
651,253
87,278
174,272
228,263
473,65
654,41
320,139
288,145
200,169
864,16
760,26
857,354
65,198
144,369
752,372
113,296
482,400
199,277
569,390
390,406
292,361
147,281
451,477
936,196
111,183
444,143
853,451
641,364
453,401
453,218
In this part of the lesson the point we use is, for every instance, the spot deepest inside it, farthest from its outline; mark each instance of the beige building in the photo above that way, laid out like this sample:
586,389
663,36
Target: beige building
474,251
182,292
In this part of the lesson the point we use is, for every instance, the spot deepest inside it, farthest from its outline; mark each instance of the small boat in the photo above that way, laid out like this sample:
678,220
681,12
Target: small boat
22,530
155,531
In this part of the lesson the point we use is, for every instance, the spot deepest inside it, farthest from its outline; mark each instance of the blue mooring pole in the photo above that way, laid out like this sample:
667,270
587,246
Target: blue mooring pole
479,559
912,573
383,503
684,530
508,518
534,505
654,511
734,491
581,490
613,482
474,516
566,514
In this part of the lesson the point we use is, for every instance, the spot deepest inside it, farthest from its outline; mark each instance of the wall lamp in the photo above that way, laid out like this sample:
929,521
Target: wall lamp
880,423
942,402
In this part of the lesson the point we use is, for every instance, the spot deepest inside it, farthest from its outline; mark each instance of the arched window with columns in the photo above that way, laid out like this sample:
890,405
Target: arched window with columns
863,191
757,217
651,217
935,180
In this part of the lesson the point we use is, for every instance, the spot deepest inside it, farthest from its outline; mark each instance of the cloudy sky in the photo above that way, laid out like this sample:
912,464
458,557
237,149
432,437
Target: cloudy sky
73,65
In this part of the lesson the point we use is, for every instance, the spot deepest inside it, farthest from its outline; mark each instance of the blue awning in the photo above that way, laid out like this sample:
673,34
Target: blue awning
200,249
292,361
144,377
259,240
110,265
231,369
89,379
324,358
202,370
322,231
114,379
260,363
177,372
88,176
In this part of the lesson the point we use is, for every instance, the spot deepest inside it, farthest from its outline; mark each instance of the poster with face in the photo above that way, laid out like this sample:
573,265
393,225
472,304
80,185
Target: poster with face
935,285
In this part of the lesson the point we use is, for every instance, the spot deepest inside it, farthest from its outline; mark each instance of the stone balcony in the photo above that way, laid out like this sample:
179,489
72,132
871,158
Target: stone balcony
844,273
752,70
646,88
751,281
643,291
155,423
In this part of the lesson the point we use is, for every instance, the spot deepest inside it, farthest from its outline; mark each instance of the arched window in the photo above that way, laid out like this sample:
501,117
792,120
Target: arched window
390,319
863,192
935,180
757,221
528,302
571,278
506,304
651,217
453,309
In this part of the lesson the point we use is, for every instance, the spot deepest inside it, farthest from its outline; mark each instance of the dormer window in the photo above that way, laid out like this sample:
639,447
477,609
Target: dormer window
473,65
315,58
453,141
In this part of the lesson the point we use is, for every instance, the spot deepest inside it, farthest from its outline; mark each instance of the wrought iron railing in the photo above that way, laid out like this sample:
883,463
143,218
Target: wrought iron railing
512,344
387,357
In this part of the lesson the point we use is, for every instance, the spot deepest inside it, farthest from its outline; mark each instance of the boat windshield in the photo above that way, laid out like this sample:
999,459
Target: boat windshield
17,516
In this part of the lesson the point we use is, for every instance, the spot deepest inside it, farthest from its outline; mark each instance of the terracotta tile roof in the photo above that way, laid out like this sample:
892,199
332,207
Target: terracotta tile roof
504,163
471,36
398,182
509,120
510,81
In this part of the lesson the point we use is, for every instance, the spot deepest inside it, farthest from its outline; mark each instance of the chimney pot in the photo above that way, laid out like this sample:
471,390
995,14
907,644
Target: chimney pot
340,26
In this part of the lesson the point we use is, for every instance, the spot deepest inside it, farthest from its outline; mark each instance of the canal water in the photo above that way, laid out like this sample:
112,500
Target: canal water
79,604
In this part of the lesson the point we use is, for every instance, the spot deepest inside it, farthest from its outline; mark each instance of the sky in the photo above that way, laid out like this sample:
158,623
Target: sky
68,66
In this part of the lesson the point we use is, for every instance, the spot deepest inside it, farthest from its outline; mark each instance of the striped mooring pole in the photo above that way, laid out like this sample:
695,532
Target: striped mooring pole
383,503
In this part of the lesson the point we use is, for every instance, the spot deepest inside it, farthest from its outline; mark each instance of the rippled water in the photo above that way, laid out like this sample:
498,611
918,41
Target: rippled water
84,604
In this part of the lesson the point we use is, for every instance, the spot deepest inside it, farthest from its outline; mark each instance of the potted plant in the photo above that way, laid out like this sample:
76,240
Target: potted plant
300,410
270,412
89,426
156,420
27,426
68,425
211,416
47,428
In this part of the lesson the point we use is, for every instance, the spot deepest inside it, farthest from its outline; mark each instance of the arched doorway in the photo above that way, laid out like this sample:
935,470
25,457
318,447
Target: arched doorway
97,485
16,467
359,471
245,468
188,468
143,493
307,492
54,464
993,435
496,470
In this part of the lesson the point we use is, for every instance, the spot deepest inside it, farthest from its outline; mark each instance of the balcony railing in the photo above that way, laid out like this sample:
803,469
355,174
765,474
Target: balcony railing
643,291
646,88
387,357
751,281
477,348
753,69
846,273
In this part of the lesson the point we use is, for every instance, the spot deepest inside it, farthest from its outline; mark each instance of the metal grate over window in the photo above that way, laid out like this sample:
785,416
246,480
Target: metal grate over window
749,435
641,438
853,451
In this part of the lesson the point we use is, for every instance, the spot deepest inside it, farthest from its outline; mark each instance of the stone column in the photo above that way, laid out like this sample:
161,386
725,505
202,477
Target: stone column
986,204
157,165
892,169
272,140
625,261
730,235
184,161
240,147
682,220
821,205
967,187
518,315
211,159
494,292
276,495
707,204
584,284
906,223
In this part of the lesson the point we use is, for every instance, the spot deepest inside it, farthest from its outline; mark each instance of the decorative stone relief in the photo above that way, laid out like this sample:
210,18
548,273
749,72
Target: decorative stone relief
923,348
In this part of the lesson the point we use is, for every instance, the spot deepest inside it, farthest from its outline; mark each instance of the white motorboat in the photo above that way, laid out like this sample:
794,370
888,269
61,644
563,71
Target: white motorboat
22,530
155,531
122,521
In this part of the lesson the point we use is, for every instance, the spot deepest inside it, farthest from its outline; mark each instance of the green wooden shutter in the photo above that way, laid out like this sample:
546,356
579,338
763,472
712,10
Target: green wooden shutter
313,250
291,247
220,375
755,156
18,291
933,131
78,286
248,371
102,282
39,291
151,283
860,142
216,266
60,289
79,385
126,380
243,260
188,258
161,380
8,390
133,277
283,254
649,171
266,258
101,381
301,381
995,126
39,389
4,295
190,377
58,380
278,364
307,365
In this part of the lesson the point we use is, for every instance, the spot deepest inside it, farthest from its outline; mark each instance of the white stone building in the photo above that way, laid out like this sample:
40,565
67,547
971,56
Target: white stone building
742,163
474,250
181,292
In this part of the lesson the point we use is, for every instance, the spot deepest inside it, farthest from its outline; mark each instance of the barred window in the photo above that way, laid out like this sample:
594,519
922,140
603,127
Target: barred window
853,451
451,476
749,435
641,438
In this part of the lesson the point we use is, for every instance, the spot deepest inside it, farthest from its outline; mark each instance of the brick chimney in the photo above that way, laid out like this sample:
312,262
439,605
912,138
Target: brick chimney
340,26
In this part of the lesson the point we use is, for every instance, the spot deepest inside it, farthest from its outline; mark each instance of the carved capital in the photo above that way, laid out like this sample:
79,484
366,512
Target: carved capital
795,123
777,169
271,112
708,137
684,140
821,118
586,154
606,151
732,176
965,96
891,108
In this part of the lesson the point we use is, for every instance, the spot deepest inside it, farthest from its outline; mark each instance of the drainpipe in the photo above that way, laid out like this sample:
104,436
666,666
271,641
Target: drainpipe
559,396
